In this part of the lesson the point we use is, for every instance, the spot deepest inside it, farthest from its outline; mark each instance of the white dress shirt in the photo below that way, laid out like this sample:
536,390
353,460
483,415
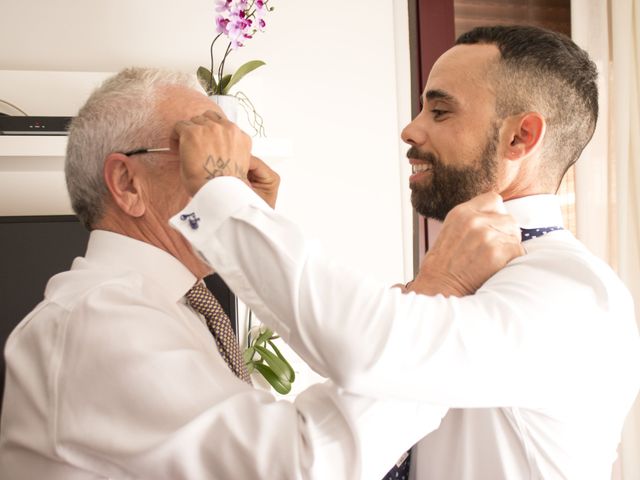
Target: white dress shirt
535,363
114,376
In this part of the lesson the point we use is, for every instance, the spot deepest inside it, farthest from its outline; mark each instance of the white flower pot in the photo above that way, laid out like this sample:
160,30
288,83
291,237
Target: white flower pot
229,104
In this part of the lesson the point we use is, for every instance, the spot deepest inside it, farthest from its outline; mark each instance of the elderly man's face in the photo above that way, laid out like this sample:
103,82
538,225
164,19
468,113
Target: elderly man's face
454,139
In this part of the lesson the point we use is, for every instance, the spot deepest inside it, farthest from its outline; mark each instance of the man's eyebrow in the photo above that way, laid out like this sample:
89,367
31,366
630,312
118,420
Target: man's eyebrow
440,95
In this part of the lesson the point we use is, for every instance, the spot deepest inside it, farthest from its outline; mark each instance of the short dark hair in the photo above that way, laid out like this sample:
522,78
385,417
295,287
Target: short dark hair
545,71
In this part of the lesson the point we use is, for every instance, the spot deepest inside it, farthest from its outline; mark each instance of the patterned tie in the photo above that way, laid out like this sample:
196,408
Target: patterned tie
205,303
529,233
400,470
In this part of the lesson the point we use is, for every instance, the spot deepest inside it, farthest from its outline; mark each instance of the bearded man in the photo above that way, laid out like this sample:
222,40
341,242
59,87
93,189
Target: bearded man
530,366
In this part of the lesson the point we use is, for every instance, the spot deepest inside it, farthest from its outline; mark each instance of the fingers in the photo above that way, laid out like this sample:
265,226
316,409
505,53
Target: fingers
503,223
486,211
257,167
403,288
180,127
486,202
209,115
215,116
264,181
492,234
260,171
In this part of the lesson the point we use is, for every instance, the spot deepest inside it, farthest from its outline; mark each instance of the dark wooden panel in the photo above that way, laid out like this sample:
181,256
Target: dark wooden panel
432,22
437,34
552,14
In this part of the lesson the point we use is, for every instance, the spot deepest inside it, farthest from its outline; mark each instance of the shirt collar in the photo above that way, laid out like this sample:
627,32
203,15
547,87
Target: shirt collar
113,250
536,211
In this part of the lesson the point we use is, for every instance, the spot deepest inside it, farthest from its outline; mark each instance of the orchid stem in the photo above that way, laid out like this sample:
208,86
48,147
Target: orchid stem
221,68
211,70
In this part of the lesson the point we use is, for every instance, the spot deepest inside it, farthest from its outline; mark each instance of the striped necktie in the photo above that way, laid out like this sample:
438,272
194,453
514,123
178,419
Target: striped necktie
206,304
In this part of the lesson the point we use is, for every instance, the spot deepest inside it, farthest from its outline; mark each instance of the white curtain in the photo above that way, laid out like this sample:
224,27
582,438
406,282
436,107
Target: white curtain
608,173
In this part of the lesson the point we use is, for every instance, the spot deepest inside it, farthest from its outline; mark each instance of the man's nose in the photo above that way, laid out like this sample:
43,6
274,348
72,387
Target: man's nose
415,132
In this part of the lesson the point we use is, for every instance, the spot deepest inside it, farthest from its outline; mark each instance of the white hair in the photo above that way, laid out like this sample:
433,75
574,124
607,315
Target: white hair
117,117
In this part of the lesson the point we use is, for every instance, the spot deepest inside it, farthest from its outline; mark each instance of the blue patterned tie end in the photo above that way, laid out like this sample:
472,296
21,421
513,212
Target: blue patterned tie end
529,233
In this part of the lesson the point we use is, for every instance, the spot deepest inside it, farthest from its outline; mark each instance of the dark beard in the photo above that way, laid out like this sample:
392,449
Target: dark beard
451,186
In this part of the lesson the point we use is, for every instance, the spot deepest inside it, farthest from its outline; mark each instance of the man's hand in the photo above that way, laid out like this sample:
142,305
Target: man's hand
264,181
211,146
477,239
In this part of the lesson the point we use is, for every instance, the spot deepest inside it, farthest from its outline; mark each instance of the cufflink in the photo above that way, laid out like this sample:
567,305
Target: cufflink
193,220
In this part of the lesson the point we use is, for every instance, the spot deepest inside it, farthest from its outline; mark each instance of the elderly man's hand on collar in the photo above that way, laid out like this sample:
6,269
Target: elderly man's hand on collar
477,239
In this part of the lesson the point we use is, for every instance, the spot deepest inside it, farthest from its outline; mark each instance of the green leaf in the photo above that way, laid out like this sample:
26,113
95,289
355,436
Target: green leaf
206,80
223,87
292,374
263,337
241,72
273,366
278,366
250,368
248,355
279,385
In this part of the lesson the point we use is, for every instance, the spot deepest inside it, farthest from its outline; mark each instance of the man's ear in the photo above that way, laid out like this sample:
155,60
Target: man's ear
122,176
524,134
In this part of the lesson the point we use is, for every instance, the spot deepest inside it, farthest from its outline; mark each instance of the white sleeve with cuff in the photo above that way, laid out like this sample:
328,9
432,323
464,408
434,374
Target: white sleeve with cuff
375,341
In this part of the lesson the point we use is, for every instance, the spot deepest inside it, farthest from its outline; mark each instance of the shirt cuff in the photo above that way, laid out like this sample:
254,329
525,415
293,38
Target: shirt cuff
217,201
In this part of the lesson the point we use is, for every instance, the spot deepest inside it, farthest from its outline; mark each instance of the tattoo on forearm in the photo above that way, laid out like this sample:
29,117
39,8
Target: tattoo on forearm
216,168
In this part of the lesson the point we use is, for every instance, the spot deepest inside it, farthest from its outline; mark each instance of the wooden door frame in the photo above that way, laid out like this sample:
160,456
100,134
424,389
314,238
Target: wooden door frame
431,33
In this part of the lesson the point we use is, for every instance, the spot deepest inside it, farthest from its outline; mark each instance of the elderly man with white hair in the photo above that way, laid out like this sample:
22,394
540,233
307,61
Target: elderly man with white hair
121,372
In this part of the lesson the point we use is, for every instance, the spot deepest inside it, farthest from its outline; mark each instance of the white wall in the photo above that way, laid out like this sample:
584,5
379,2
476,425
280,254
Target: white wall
331,86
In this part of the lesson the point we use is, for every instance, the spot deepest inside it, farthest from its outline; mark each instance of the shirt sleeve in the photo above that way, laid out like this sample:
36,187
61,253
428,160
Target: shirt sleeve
504,346
140,394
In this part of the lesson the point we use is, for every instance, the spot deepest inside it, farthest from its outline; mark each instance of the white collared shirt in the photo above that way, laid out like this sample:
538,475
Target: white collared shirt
537,359
112,375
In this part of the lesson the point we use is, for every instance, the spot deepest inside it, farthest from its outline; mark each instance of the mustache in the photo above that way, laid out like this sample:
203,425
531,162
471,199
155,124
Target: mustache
413,152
